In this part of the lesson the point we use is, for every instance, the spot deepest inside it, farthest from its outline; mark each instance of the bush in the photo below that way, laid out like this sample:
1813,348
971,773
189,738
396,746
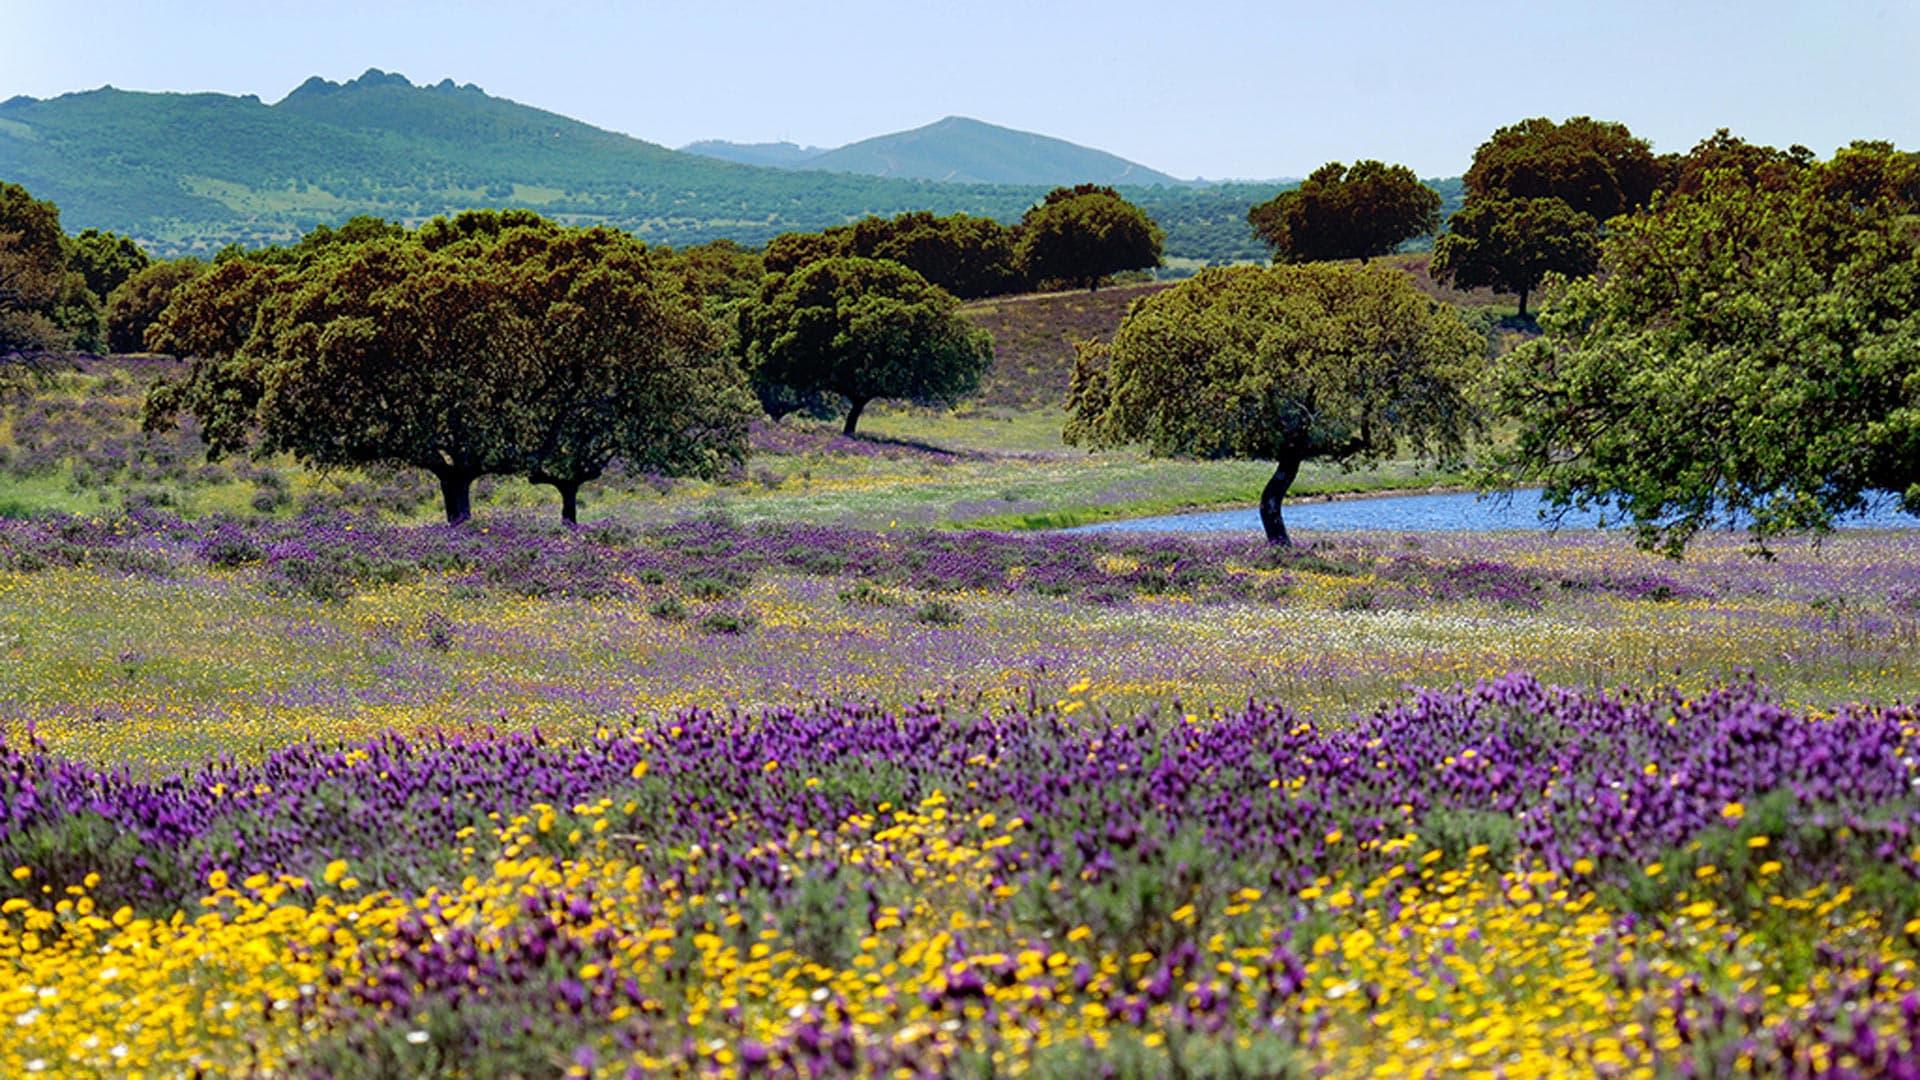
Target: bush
721,621
438,631
939,613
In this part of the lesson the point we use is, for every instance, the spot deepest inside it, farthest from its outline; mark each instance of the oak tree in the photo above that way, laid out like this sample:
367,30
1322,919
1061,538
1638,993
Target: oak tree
861,329
1342,213
1286,364
1749,355
1083,234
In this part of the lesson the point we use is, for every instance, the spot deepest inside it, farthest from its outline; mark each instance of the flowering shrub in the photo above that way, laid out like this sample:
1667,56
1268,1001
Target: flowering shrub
1514,877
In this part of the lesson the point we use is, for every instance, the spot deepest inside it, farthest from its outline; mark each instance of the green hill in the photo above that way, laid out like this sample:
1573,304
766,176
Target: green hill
193,172
961,150
779,155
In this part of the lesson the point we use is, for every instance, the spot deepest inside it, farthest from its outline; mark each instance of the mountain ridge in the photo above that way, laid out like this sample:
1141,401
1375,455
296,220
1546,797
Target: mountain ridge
954,149
192,172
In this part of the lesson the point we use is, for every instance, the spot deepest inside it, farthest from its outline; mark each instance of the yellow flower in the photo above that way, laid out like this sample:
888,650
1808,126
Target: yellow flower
1654,868
1705,872
1583,866
1733,811
22,873
336,870
217,879
1757,842
639,770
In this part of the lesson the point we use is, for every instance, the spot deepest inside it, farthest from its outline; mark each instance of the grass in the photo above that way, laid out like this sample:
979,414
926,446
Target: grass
199,659
76,448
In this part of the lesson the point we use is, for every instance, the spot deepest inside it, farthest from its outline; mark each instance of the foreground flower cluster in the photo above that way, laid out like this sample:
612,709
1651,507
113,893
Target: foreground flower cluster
1516,879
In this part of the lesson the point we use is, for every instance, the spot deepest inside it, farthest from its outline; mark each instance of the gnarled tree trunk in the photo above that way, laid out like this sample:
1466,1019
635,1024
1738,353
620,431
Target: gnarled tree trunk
855,406
1272,496
456,493
569,489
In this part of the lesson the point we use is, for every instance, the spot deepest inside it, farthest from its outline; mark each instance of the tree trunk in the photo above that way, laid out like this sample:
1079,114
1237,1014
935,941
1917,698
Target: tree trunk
854,408
1523,303
1271,498
569,488
456,494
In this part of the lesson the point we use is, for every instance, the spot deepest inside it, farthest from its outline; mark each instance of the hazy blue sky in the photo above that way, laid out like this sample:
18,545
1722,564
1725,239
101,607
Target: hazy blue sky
1218,90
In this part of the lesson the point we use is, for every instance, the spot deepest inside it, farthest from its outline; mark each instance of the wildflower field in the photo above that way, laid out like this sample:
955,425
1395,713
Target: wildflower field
337,796
787,775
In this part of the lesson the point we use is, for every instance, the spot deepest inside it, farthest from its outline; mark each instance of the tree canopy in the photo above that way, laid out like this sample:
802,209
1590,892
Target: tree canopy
1083,234
483,344
1596,167
1750,354
1284,364
624,363
136,304
33,274
861,329
1537,196
1342,213
105,259
967,256
1511,245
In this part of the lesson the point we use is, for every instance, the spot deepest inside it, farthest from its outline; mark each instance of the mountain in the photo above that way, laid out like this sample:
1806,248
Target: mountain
954,150
778,155
194,172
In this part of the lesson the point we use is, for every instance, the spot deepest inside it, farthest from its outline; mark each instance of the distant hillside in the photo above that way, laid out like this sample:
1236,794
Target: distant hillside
194,172
1033,340
953,150
961,150
777,155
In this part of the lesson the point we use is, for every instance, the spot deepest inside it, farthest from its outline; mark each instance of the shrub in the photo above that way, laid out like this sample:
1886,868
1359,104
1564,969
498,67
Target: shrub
722,621
939,613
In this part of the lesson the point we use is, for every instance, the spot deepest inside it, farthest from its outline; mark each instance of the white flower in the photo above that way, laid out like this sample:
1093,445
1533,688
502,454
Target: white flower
416,1037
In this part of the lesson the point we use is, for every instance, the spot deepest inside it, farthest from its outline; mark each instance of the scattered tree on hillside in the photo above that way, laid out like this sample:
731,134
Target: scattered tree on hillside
1083,234
1342,213
1288,364
862,329
1511,245
1749,354
137,302
1537,196
967,256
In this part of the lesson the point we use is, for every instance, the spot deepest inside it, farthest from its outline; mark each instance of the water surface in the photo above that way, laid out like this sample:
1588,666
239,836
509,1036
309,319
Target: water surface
1452,512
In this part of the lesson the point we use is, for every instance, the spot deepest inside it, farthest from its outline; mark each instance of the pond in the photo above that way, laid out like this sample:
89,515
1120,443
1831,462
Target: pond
1451,512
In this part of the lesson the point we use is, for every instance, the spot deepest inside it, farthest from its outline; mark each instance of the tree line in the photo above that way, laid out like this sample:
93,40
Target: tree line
1731,337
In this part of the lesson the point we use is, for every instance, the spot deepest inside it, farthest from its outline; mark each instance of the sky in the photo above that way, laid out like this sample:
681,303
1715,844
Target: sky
1216,90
